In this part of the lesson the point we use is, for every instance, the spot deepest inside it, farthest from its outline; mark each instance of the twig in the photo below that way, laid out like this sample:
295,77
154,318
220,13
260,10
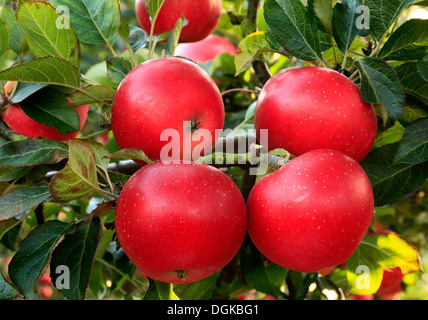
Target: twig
239,90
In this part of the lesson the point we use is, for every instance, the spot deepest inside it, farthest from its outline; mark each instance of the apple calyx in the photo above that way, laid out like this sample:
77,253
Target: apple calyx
194,126
181,275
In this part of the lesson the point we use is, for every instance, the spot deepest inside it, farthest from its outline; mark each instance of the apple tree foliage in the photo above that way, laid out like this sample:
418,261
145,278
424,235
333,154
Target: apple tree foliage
57,199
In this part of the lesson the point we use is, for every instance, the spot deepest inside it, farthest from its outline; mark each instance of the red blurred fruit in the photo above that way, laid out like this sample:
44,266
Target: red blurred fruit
362,296
22,124
203,17
45,291
179,223
391,282
313,212
206,49
46,279
309,108
326,271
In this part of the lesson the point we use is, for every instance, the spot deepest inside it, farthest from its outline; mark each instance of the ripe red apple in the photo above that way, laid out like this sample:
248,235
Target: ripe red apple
45,291
164,94
313,212
309,108
20,123
206,49
203,17
180,222
391,282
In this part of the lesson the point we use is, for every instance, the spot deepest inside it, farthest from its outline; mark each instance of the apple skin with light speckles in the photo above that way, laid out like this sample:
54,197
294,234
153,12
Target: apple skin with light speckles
308,108
203,17
179,223
160,96
313,212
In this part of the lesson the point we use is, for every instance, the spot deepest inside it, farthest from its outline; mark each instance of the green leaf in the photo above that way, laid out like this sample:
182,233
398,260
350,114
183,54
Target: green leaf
138,38
14,174
412,112
391,135
25,90
6,225
79,176
423,67
249,48
264,277
174,37
324,11
21,200
99,150
344,27
392,182
33,255
7,291
97,93
298,284
374,254
198,290
292,27
412,81
77,251
160,291
103,208
124,30
49,107
50,70
14,30
222,65
380,85
44,36
28,153
95,22
4,42
154,7
413,148
118,68
383,14
408,42
127,154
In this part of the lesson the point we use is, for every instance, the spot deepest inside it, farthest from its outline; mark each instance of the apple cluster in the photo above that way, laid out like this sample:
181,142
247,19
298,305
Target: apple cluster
180,221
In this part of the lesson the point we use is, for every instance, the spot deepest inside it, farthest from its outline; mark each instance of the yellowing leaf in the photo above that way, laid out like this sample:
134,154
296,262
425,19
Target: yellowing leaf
364,269
79,176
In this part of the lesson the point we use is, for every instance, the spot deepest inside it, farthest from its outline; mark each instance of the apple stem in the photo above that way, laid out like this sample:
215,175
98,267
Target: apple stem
181,274
354,75
194,126
257,91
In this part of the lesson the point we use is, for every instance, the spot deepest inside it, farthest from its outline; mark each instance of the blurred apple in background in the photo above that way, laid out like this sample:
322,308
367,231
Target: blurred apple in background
206,49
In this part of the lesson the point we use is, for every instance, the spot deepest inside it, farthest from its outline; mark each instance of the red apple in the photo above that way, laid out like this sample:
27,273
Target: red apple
362,297
164,94
206,49
45,291
180,223
203,17
20,123
46,279
313,212
391,282
309,108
